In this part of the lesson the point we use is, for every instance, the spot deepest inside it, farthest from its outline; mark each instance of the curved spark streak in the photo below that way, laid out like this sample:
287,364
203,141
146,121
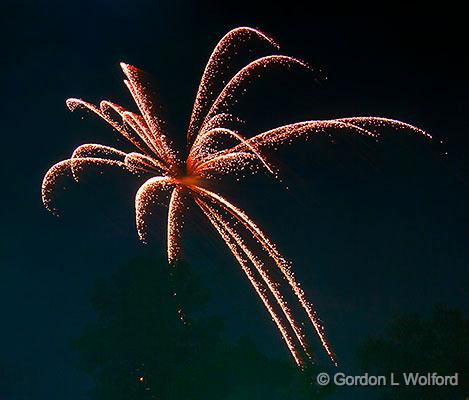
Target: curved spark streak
204,160
213,69
148,193
230,162
137,89
77,164
201,141
379,121
136,122
257,287
248,71
261,269
143,100
217,121
138,125
276,256
95,161
93,150
64,167
175,222
143,162
107,106
49,183
291,131
73,104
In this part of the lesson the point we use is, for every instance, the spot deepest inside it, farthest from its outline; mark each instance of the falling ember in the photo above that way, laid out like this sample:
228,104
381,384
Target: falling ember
181,179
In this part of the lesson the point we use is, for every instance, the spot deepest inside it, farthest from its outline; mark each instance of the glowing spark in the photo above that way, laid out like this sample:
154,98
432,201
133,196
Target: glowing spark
227,95
201,146
214,69
173,180
175,221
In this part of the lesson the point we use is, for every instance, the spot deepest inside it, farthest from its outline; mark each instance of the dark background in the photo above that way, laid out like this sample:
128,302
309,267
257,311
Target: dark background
372,230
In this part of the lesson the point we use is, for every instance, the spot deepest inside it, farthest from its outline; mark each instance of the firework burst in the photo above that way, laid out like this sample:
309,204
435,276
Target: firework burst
184,178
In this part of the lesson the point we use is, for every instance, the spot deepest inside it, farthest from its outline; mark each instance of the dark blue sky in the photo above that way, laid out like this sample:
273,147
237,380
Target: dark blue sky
372,230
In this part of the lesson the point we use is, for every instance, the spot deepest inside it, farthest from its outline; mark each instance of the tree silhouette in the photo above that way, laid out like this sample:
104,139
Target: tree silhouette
151,340
415,344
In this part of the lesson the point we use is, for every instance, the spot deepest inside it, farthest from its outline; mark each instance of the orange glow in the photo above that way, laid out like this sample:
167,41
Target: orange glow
155,156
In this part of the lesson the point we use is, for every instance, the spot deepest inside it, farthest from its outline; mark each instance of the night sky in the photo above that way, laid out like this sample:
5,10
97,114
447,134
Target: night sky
372,229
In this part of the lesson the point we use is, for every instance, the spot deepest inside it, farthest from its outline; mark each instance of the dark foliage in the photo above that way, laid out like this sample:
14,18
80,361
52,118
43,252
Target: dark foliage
151,340
422,345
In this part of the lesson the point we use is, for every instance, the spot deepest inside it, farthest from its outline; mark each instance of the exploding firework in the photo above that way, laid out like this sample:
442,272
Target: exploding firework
184,178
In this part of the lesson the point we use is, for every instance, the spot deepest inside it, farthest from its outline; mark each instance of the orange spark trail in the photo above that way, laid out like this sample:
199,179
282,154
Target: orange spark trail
277,257
73,104
201,144
175,221
208,155
220,56
228,92
261,269
140,161
147,194
244,265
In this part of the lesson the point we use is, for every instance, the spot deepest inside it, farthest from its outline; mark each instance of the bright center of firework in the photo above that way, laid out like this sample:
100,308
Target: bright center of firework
190,180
